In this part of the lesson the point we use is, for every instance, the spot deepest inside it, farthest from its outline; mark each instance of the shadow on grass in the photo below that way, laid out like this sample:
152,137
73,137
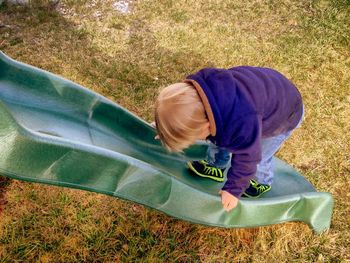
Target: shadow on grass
4,182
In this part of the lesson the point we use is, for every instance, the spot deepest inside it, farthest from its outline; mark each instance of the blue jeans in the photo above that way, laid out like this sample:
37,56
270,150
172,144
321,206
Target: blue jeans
219,157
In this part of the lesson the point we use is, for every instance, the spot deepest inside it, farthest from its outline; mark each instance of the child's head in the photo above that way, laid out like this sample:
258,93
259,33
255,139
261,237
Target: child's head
180,117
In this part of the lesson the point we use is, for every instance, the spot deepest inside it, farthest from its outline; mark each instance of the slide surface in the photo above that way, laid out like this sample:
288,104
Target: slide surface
56,132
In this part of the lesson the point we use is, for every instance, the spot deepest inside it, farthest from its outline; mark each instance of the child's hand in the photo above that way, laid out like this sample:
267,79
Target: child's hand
153,124
228,200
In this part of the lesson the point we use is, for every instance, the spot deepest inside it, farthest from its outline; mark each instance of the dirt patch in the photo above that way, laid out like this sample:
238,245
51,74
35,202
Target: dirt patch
4,182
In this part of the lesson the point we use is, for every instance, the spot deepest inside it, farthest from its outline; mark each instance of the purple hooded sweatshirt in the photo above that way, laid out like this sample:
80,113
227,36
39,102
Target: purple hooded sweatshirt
245,104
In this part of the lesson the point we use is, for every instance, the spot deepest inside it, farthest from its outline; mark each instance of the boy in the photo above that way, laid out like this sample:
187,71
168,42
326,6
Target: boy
246,111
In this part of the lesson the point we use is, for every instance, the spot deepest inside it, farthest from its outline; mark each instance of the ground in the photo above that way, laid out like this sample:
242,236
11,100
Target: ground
127,52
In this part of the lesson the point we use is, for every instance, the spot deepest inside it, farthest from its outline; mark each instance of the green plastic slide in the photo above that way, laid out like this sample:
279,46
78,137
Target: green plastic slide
56,132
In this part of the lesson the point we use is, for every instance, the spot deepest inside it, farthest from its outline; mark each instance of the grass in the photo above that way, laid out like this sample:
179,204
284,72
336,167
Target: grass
127,57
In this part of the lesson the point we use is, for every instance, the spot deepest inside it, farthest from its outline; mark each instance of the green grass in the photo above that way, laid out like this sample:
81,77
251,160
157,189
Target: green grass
127,58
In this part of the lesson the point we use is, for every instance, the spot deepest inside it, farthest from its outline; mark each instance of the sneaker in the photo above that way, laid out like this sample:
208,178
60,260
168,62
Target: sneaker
203,169
255,189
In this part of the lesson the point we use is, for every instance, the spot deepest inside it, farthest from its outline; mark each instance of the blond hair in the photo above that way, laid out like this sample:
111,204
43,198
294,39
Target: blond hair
179,115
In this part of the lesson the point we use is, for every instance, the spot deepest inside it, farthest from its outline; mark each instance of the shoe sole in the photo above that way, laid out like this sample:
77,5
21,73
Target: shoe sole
190,166
257,196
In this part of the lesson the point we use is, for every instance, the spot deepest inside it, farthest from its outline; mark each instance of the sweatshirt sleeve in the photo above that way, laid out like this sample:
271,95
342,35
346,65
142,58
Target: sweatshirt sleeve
245,145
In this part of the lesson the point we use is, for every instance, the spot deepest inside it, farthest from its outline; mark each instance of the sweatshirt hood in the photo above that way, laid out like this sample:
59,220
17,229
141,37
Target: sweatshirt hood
217,90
